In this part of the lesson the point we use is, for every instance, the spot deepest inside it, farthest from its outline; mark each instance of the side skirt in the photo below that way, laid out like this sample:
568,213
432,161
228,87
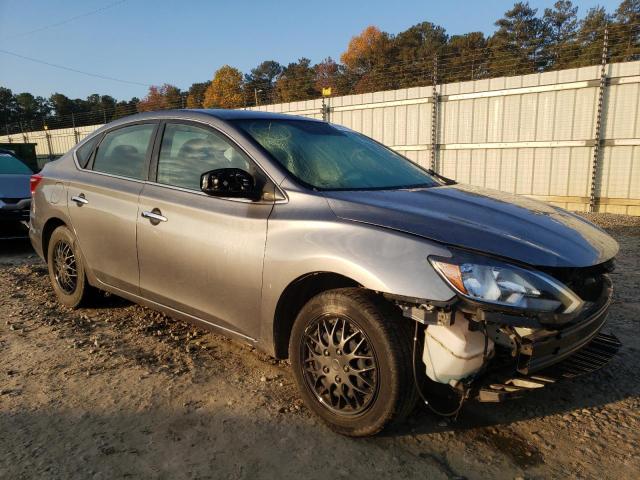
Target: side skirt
178,314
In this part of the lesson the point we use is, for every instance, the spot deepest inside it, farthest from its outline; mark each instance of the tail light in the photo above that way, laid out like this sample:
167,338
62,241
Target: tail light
34,182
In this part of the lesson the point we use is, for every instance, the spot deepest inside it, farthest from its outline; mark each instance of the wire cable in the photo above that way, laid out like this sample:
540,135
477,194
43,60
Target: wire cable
421,393
64,22
69,69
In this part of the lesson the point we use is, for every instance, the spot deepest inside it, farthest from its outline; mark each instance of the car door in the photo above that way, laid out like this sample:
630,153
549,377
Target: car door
199,254
103,203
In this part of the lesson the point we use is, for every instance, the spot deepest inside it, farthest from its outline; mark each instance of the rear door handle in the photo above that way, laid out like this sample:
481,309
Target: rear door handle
79,199
154,216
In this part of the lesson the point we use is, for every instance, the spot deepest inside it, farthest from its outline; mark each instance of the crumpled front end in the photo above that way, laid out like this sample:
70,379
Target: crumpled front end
493,352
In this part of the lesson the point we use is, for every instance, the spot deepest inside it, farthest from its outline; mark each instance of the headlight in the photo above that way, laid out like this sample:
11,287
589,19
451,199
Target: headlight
486,280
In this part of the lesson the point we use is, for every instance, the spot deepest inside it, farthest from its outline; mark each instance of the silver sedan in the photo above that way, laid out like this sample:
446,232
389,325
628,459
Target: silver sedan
382,282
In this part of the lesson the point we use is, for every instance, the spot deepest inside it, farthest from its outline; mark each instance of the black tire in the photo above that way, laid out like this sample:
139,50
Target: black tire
72,291
349,403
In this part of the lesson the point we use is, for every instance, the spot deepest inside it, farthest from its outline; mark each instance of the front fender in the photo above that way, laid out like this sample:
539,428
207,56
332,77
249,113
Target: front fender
378,259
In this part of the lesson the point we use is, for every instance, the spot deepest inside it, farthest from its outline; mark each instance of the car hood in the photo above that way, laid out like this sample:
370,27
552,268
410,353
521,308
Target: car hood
14,186
489,221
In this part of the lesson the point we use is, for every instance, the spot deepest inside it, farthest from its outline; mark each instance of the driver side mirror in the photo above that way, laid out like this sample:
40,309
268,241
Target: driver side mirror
229,182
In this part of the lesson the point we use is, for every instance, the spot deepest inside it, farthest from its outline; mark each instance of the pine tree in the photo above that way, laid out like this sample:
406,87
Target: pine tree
625,32
296,82
591,36
466,58
516,47
260,83
195,95
560,28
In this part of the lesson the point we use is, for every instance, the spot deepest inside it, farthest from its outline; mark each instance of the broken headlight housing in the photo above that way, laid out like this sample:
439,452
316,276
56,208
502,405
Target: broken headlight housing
502,284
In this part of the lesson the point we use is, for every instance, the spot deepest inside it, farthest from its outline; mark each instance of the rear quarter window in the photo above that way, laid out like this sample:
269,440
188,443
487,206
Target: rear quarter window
83,154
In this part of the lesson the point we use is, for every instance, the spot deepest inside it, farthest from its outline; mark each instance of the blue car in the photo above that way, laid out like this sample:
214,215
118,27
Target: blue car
15,195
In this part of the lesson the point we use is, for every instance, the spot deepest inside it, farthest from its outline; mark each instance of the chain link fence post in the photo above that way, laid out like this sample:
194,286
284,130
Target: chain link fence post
324,110
598,142
24,135
434,115
76,134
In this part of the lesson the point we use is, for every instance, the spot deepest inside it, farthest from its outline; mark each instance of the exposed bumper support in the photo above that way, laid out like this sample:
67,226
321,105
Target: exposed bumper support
591,357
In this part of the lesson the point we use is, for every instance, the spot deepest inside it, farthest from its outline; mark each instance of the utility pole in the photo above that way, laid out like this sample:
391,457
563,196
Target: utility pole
255,92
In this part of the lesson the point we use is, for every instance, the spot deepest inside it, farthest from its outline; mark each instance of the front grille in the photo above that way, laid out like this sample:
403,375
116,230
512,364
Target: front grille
11,201
593,356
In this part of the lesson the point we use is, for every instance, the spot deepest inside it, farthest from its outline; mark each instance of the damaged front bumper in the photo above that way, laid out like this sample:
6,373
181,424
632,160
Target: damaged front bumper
588,358
530,352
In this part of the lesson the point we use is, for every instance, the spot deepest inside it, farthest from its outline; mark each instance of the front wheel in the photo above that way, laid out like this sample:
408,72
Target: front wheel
351,357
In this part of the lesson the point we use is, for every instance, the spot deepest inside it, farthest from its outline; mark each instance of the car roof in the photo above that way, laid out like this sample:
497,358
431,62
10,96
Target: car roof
220,114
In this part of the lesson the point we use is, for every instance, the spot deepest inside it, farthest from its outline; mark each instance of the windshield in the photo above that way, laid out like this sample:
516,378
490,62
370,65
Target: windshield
328,157
10,165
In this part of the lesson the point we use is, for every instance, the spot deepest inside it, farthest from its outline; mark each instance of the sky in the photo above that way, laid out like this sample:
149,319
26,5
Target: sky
159,41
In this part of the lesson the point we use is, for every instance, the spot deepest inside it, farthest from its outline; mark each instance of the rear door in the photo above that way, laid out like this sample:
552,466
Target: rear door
103,203
202,255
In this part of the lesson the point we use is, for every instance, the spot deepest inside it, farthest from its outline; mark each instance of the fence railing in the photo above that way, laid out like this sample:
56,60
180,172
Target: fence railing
570,137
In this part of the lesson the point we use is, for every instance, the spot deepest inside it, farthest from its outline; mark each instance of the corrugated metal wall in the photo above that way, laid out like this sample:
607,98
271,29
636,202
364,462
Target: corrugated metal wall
532,134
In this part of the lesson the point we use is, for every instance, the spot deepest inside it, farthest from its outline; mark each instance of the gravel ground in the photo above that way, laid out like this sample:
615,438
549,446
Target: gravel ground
121,391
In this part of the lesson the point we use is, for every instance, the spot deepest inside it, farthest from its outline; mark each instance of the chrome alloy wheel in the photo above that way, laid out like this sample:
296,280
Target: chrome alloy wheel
340,366
65,267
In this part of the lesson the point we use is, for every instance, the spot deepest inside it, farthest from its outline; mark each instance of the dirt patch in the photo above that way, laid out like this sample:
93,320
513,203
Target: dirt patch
120,391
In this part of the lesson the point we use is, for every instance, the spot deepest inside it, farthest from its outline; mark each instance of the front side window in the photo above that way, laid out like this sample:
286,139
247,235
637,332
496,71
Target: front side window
328,157
123,151
10,165
188,151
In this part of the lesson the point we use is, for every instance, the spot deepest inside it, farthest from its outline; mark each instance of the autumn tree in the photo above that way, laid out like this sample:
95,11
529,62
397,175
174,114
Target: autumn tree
296,82
225,90
195,95
160,98
516,46
367,58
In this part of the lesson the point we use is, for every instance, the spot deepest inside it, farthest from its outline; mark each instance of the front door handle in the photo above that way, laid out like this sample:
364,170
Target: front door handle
154,216
79,199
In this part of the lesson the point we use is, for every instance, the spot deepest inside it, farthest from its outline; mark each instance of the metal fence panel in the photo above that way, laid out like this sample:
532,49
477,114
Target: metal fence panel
530,134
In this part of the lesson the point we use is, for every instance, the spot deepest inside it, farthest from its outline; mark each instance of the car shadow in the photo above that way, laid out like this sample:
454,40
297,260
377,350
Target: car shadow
15,249
614,382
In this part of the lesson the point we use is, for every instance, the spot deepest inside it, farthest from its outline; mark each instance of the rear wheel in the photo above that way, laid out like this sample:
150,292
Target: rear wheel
350,353
66,270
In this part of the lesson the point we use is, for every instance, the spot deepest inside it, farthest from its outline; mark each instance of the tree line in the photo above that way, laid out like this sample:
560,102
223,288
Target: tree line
525,41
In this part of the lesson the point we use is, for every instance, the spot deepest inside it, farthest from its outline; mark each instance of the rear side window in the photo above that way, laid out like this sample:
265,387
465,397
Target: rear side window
83,154
188,151
123,151
10,165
